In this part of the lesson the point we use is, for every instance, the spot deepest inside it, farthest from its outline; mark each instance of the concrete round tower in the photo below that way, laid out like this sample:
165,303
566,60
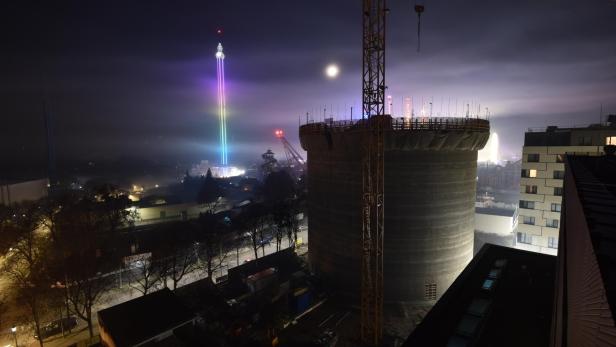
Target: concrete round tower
430,179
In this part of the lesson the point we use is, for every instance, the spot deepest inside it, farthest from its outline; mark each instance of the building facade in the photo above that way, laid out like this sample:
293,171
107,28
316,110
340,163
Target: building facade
542,174
585,299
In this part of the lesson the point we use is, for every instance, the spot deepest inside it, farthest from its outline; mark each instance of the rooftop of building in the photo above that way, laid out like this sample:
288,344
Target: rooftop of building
609,123
140,319
495,211
285,262
402,123
577,135
595,179
504,297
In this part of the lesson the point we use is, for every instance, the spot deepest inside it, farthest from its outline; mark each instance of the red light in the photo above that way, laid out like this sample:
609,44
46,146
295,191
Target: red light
219,31
278,133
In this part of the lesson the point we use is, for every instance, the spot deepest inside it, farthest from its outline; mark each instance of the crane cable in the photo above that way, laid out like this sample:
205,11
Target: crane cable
419,9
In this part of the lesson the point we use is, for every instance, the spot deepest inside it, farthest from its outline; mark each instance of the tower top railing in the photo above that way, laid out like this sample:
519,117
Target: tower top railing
399,124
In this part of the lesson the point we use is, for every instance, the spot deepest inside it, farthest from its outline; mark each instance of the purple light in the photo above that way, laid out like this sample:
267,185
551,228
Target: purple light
220,67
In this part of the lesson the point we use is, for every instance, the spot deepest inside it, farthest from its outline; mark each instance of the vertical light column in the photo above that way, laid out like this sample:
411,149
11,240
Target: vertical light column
407,108
220,70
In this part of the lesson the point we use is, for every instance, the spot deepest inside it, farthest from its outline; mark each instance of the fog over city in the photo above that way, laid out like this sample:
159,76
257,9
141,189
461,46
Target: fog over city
124,80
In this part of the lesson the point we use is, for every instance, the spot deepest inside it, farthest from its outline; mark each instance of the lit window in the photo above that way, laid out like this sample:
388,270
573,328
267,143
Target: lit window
532,173
610,140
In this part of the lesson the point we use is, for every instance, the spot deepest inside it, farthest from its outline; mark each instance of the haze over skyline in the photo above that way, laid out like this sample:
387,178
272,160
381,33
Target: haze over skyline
139,79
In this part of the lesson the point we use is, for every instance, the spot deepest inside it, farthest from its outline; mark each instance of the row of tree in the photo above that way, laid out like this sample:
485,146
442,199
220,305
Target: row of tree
63,252
57,249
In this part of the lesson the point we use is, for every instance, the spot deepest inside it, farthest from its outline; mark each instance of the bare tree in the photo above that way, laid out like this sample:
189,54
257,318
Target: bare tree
26,262
253,220
281,222
292,223
210,193
144,273
177,253
84,233
4,307
211,250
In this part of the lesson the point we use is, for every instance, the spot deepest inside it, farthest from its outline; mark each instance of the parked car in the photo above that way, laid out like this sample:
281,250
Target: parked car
57,326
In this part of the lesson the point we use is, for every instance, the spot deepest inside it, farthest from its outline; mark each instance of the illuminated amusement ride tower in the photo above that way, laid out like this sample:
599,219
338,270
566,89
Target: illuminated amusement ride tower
224,170
220,72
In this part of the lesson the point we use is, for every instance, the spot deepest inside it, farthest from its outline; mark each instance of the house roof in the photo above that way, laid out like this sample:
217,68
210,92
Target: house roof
140,319
504,297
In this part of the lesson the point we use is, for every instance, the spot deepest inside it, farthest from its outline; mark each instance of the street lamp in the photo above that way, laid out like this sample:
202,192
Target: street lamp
14,331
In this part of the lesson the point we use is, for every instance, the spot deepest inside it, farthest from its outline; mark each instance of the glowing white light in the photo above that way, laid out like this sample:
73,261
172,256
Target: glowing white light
489,153
226,171
332,71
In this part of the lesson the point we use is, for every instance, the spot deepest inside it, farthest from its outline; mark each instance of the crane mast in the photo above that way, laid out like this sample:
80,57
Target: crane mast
373,99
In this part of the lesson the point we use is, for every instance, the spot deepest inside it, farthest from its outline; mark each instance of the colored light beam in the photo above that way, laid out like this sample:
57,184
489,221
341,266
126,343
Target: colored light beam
220,67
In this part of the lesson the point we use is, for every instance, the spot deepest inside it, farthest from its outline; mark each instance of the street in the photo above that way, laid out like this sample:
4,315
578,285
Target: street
125,292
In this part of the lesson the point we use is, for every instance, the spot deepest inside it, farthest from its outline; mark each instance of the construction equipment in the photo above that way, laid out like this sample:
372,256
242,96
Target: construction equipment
419,9
294,159
373,99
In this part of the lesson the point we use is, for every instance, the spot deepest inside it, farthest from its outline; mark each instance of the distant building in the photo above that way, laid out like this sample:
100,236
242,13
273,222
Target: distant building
502,298
585,305
494,225
541,184
156,319
498,177
13,193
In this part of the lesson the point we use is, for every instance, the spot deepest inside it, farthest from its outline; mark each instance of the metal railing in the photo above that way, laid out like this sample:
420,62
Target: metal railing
565,128
416,123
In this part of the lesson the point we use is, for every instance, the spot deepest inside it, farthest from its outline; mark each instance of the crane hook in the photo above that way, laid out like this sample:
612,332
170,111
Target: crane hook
419,9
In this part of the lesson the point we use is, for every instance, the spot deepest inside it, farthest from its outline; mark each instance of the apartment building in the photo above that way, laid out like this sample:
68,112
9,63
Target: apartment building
543,171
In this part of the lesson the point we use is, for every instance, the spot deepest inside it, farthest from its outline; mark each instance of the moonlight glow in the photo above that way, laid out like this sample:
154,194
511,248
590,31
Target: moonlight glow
332,71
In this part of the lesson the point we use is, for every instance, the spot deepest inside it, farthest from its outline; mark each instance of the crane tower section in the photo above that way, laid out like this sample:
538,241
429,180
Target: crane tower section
373,100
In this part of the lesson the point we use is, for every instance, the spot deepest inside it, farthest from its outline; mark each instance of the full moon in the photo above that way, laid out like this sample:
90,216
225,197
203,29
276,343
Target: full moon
331,71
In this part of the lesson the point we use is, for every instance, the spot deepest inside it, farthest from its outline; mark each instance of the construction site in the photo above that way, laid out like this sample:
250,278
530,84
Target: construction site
390,202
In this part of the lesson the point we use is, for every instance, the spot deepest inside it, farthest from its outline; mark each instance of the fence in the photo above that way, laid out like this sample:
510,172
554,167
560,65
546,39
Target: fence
400,124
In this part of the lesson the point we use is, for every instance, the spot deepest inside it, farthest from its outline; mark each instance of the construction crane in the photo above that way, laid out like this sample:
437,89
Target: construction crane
373,228
374,14
293,157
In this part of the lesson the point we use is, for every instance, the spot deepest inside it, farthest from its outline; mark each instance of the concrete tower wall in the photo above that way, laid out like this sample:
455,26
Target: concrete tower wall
430,178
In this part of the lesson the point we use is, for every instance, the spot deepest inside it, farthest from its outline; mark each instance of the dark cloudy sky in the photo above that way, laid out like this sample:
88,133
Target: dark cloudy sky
137,78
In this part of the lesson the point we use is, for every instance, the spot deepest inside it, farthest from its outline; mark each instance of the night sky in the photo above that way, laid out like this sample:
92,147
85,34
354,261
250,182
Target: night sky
137,78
